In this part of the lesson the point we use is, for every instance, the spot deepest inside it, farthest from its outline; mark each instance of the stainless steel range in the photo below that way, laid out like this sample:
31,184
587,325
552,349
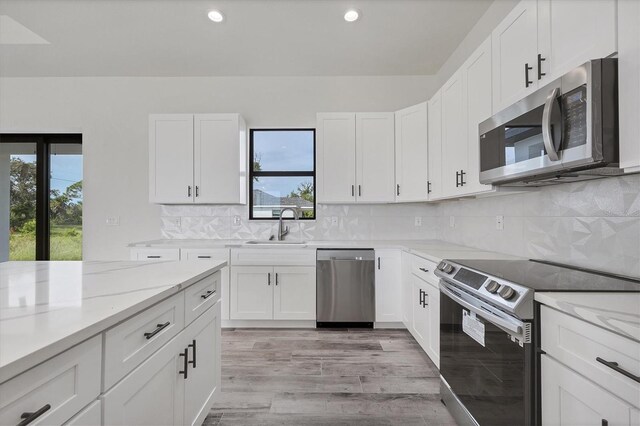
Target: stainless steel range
488,333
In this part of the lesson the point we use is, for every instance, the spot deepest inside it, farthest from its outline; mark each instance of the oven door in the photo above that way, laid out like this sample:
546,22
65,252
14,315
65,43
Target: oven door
490,374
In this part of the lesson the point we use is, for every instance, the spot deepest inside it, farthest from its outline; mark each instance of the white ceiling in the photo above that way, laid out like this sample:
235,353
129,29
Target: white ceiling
258,37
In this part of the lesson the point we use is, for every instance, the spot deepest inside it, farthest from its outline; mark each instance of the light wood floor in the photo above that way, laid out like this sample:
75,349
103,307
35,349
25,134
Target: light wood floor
326,377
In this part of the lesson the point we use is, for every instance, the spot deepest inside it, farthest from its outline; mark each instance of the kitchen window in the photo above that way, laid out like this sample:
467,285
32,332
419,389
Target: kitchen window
282,173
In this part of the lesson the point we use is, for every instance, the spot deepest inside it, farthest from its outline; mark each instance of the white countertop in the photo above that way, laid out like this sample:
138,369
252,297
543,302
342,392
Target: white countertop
434,250
48,307
618,312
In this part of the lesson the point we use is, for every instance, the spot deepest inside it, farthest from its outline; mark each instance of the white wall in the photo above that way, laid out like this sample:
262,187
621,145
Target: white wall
112,115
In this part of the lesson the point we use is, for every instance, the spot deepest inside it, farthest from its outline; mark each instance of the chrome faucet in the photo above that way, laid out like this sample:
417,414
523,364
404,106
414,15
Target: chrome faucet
284,231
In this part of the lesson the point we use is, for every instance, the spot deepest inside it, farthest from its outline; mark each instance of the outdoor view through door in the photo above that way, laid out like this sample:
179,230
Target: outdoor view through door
282,173
40,197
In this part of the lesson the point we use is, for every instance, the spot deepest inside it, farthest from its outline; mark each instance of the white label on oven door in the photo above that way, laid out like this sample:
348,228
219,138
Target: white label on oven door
472,326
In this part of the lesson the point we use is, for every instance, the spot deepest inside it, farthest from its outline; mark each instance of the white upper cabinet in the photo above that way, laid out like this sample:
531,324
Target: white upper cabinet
220,166
454,136
336,157
434,184
572,32
411,154
375,153
515,48
355,156
171,158
197,158
476,83
629,83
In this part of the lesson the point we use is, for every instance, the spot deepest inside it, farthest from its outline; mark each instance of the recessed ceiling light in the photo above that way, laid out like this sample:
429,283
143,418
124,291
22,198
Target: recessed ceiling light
351,15
216,16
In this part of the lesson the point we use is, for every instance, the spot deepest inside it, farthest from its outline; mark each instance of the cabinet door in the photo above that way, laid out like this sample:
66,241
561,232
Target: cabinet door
567,35
570,399
336,157
213,255
629,83
420,326
454,135
375,157
476,76
515,47
202,338
150,253
411,154
294,294
152,394
434,186
433,307
388,285
220,169
171,158
251,292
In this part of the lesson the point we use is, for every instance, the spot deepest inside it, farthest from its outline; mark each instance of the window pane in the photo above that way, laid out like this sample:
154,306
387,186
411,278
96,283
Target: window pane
18,201
287,150
65,202
271,194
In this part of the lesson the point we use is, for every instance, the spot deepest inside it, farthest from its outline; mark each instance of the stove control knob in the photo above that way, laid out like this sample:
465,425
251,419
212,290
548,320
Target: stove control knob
446,268
492,286
507,292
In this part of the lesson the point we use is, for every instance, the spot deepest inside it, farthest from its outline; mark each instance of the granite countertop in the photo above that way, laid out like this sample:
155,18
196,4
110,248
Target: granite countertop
48,307
617,312
434,250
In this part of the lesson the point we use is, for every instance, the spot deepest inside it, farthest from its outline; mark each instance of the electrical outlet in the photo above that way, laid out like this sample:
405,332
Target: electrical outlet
499,222
418,221
452,221
237,220
334,220
113,220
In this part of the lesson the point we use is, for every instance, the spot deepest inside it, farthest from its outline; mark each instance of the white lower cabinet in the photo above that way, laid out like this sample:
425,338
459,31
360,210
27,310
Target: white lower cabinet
571,399
151,253
213,255
265,293
407,291
90,416
388,276
420,323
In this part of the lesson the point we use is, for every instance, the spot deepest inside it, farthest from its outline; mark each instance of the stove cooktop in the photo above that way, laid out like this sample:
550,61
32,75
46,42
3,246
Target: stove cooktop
544,276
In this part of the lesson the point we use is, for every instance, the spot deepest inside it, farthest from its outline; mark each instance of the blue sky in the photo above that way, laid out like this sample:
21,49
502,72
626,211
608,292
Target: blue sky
65,169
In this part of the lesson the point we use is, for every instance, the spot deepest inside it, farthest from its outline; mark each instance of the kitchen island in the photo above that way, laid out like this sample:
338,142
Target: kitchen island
109,342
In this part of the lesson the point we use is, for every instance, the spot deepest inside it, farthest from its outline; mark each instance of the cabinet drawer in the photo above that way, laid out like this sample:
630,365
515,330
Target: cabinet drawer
134,340
205,254
424,269
155,254
201,296
59,387
90,416
273,257
578,344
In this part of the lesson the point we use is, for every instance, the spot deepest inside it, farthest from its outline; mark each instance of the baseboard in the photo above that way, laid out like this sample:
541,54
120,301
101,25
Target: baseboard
394,324
268,324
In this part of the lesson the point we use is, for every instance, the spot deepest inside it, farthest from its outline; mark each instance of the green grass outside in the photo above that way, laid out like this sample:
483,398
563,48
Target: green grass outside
66,244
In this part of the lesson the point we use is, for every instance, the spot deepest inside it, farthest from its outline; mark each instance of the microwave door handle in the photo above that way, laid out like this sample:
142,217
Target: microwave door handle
547,137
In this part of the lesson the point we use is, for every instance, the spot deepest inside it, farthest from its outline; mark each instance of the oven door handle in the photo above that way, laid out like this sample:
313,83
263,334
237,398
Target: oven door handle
514,326
547,137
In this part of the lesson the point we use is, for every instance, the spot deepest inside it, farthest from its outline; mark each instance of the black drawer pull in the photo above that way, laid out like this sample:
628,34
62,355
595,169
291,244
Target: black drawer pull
204,257
614,366
193,349
159,328
208,294
185,372
424,269
153,257
29,417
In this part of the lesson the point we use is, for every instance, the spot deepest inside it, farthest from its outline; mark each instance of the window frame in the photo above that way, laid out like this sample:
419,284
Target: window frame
294,173
43,142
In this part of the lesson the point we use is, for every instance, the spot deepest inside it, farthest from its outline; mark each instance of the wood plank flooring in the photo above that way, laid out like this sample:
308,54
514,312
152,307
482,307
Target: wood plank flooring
326,377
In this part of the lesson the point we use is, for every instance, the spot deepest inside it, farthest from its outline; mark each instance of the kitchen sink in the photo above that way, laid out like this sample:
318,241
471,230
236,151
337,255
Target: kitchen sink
276,243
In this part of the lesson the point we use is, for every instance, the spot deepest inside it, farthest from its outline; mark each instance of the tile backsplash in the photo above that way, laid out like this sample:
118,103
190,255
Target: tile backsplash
592,224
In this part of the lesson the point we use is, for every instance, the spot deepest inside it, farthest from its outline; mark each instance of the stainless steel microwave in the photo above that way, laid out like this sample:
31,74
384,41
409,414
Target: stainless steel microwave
565,131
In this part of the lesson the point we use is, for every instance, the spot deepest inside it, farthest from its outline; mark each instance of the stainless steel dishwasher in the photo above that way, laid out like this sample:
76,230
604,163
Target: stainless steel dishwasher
345,288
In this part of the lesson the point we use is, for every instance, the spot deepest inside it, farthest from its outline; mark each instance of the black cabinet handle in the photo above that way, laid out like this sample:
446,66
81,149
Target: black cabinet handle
185,355
269,278
424,269
159,328
197,191
193,349
457,179
276,278
527,68
153,257
189,191
29,417
540,60
421,301
614,366
462,182
397,189
353,190
428,187
208,294
359,190
425,301
204,257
